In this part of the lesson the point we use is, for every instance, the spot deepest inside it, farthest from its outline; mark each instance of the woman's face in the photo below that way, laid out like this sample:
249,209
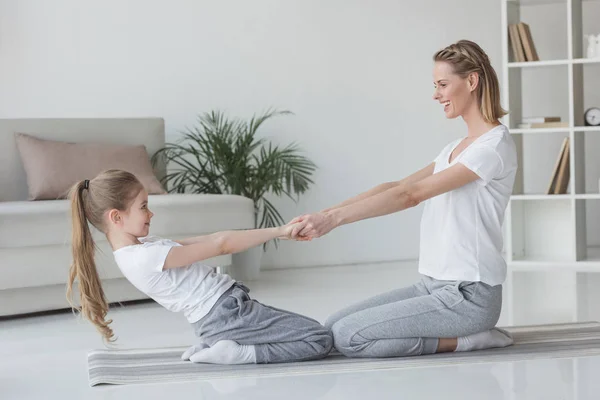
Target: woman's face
452,91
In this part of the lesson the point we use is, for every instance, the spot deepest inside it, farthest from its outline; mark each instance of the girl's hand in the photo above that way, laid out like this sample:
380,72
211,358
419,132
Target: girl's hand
287,231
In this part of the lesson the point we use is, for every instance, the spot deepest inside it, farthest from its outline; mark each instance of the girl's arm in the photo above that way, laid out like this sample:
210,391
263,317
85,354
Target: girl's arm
221,243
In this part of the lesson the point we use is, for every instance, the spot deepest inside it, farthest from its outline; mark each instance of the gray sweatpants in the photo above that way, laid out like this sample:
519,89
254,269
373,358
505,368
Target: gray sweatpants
409,321
277,335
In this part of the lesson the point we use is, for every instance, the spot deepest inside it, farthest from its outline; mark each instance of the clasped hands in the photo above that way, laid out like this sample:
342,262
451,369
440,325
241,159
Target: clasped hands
309,226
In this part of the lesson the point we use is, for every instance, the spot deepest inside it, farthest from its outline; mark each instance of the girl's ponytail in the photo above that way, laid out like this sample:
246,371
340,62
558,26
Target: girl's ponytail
94,306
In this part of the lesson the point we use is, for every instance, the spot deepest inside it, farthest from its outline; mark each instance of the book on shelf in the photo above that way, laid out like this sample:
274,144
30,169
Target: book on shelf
535,125
561,173
521,42
515,43
537,120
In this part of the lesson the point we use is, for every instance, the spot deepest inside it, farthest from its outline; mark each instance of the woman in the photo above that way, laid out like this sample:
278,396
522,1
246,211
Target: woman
457,303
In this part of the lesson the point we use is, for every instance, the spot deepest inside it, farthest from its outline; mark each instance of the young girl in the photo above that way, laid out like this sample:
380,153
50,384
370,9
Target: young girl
234,329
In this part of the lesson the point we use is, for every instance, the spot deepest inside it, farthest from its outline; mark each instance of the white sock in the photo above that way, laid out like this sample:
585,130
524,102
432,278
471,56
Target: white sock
495,337
193,349
225,352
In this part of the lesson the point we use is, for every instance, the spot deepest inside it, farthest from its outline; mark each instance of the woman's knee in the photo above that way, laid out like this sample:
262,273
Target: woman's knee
480,323
345,338
335,317
329,322
489,319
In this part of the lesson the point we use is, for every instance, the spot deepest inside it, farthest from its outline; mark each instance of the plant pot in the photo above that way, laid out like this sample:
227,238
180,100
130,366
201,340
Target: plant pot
246,265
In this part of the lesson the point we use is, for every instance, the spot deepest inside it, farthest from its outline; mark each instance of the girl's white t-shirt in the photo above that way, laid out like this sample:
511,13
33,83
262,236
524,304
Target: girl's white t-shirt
192,290
461,230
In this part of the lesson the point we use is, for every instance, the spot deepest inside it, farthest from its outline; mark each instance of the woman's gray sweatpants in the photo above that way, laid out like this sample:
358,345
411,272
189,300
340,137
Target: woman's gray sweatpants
277,335
409,321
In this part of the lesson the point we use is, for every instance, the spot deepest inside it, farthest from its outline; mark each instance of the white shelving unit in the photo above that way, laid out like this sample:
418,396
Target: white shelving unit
553,267
554,273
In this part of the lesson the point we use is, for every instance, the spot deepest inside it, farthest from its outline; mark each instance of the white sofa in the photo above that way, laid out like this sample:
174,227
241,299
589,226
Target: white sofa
35,249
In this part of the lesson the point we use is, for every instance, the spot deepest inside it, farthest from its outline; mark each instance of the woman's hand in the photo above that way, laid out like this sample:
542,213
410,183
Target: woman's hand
313,226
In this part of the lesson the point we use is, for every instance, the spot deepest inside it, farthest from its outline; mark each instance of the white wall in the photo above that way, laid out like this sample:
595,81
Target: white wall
356,73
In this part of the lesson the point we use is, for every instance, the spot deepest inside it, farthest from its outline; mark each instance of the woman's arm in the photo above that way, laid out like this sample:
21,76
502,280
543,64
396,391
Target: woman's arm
392,200
227,242
415,177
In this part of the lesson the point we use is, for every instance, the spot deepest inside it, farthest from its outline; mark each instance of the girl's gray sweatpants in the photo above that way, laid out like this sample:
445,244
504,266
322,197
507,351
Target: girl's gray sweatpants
409,321
277,335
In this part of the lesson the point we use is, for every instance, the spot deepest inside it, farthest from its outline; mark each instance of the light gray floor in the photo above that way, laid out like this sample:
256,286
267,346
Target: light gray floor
45,357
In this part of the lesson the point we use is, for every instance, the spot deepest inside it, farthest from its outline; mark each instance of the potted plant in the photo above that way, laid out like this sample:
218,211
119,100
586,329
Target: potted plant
222,155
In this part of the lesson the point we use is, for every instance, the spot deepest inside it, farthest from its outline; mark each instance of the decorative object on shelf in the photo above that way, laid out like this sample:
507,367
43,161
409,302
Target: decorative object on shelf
561,173
593,45
592,116
542,122
539,119
522,42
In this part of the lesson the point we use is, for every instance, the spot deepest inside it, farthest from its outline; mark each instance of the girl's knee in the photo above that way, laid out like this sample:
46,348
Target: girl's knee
321,343
326,342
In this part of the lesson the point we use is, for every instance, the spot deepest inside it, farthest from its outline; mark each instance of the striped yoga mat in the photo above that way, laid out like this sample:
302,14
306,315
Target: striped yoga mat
165,365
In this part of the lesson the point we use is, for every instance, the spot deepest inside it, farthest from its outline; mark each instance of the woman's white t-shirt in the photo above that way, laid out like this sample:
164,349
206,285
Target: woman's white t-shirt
192,290
461,230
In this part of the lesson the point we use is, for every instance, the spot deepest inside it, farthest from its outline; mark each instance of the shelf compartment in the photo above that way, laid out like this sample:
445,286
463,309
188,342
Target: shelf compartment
542,231
536,288
531,95
537,157
586,164
586,93
587,235
536,93
551,45
584,21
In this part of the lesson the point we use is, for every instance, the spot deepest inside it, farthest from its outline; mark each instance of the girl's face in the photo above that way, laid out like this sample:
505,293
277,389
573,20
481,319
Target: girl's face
136,220
452,91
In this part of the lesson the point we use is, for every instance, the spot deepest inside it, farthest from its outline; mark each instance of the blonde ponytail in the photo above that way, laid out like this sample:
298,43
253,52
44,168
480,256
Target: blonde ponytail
94,306
90,200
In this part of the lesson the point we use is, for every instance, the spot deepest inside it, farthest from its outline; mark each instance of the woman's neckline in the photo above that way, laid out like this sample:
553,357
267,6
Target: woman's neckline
470,144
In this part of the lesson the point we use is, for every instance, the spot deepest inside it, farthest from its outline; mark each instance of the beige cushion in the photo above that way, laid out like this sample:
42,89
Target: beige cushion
52,167
35,236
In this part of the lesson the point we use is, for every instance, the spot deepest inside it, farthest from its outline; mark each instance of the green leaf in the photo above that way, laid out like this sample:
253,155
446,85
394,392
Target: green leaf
222,155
